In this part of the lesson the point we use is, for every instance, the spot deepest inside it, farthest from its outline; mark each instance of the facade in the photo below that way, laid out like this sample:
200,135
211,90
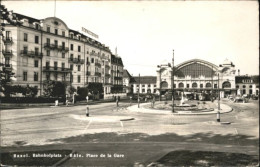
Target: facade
247,85
145,84
127,80
40,50
117,73
197,76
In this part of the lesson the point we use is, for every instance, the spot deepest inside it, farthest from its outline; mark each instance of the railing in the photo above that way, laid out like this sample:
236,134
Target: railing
76,60
118,78
30,53
88,73
98,65
7,52
63,48
8,40
98,74
51,46
94,54
8,67
56,69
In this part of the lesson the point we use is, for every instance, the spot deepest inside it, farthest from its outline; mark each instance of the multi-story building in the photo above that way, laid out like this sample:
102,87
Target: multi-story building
127,79
47,49
117,73
198,76
247,84
144,84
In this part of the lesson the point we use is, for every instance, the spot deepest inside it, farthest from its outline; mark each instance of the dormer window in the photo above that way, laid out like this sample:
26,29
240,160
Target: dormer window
63,33
56,31
71,35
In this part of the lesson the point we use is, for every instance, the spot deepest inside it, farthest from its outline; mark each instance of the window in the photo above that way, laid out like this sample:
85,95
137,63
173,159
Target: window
56,43
143,90
25,37
63,33
47,77
36,51
8,34
143,85
56,31
37,26
79,37
63,55
188,85
71,66
25,49
62,66
24,76
36,63
55,76
63,45
79,48
36,39
149,85
47,65
237,86
137,85
154,85
201,85
250,86
71,78
78,78
55,65
208,85
71,46
71,56
71,35
48,52
35,76
92,60
79,57
79,67
244,86
215,85
48,41
48,29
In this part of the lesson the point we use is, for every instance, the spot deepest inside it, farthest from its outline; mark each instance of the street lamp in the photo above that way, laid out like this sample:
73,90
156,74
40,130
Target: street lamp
160,70
173,82
138,100
218,113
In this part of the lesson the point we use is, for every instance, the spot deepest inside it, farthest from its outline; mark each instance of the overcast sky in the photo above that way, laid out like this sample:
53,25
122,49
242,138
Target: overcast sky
145,33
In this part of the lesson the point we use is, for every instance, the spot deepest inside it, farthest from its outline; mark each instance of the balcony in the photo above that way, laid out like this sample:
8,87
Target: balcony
88,73
107,75
76,60
98,74
56,69
31,53
51,46
7,67
104,58
7,53
118,78
8,40
98,65
63,49
94,54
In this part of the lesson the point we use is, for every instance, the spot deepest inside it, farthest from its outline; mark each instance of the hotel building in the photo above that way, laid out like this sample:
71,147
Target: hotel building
39,50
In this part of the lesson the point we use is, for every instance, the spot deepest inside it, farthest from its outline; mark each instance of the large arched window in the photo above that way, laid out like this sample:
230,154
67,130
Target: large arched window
226,85
194,85
208,85
164,85
181,85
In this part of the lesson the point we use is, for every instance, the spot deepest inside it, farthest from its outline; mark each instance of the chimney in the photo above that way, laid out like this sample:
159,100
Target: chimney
238,72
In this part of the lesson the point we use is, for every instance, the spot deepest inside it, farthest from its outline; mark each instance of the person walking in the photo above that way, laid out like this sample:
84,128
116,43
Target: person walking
87,111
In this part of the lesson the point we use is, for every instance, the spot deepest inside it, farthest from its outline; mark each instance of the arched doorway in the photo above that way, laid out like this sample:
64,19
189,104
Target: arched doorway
194,85
164,85
181,85
226,84
208,85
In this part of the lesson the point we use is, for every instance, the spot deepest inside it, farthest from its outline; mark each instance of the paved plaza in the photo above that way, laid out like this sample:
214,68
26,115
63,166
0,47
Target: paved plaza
138,137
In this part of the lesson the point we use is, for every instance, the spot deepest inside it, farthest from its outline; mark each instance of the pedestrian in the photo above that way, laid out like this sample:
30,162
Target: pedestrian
87,111
67,101
117,101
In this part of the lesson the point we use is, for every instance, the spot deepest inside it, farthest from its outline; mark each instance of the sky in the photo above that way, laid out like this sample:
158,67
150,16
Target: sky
145,33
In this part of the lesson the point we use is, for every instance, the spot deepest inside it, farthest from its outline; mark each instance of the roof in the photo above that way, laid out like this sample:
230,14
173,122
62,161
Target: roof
126,74
30,19
145,80
211,65
239,79
116,60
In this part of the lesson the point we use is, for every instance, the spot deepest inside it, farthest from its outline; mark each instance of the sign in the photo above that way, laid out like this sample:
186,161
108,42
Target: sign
89,32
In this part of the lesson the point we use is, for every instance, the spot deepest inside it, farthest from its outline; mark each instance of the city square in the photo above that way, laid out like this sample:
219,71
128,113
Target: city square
180,86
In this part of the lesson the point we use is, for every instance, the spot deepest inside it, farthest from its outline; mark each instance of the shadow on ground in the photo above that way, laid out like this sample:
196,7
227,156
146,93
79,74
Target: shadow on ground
209,138
206,158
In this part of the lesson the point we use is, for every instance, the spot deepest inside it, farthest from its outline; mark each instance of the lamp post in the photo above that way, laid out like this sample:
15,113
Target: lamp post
138,92
173,81
160,70
218,113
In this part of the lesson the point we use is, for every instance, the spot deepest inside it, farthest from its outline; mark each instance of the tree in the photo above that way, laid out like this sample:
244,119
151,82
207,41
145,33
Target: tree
54,88
5,82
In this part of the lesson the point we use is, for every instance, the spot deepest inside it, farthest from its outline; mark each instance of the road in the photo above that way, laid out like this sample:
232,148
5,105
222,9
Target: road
139,137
